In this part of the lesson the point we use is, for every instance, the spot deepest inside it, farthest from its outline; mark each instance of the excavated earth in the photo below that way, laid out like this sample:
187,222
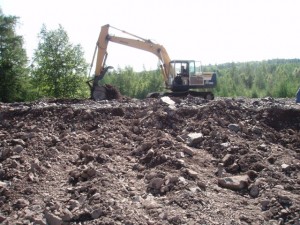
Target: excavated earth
152,161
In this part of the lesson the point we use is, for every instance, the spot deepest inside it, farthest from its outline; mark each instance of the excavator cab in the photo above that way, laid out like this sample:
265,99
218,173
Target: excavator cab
187,74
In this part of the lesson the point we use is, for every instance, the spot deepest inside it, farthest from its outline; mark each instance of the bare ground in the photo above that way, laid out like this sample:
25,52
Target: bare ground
227,161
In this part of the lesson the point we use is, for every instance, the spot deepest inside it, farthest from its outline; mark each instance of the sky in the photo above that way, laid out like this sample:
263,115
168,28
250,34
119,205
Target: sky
210,31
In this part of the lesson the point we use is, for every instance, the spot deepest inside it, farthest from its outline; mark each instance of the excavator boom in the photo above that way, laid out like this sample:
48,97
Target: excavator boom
141,43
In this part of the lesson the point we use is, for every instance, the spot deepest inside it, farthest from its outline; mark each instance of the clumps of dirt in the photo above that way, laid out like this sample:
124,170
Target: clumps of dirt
112,92
152,161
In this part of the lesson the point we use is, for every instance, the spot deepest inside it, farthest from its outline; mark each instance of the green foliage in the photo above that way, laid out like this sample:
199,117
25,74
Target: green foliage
13,60
276,78
134,84
59,68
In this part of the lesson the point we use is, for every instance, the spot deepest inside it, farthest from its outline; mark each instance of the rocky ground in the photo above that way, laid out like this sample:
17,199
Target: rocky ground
153,161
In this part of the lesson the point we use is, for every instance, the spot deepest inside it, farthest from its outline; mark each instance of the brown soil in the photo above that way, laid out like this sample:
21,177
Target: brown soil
227,161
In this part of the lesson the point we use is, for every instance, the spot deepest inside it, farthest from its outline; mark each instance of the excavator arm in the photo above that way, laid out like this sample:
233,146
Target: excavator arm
148,46
140,43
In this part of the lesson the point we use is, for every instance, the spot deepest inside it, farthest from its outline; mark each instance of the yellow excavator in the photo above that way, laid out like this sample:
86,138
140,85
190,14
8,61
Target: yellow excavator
179,75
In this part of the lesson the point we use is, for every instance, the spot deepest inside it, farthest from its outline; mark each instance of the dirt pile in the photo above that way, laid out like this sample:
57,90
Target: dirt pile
180,161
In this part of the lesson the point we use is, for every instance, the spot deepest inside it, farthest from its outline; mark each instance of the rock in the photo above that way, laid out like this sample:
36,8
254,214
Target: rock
228,160
149,154
234,127
279,186
220,170
2,218
192,173
82,199
5,153
180,162
91,172
18,142
187,150
248,161
225,144
257,130
285,167
254,191
252,175
39,221
97,213
67,215
258,166
260,181
235,183
21,203
74,204
18,148
136,130
264,204
48,165
182,180
271,159
52,219
262,147
172,180
194,139
3,184
95,196
169,101
284,199
86,147
194,189
156,183
150,204
234,168
179,155
35,166
150,175
202,185
179,138
30,177
55,139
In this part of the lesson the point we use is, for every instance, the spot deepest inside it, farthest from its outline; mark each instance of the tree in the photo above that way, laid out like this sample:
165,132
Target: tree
59,68
13,61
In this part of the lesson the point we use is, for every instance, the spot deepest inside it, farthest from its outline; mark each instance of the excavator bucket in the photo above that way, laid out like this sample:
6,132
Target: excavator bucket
105,92
112,92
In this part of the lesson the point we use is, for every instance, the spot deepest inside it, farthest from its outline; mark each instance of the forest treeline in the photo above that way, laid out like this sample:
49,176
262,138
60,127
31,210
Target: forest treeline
274,78
58,70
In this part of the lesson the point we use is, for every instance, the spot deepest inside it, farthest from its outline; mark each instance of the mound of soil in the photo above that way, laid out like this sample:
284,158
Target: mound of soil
153,161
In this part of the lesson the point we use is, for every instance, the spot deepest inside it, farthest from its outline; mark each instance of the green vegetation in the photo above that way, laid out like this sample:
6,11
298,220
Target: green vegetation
60,71
13,60
135,84
275,78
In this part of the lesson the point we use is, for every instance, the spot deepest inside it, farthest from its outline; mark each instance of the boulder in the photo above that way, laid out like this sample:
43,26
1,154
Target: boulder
194,139
236,183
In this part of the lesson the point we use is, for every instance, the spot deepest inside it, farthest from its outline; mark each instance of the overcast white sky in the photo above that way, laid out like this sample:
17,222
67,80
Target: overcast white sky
215,31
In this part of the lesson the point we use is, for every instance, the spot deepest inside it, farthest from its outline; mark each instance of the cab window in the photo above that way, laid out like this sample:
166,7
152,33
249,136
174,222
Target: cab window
192,68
